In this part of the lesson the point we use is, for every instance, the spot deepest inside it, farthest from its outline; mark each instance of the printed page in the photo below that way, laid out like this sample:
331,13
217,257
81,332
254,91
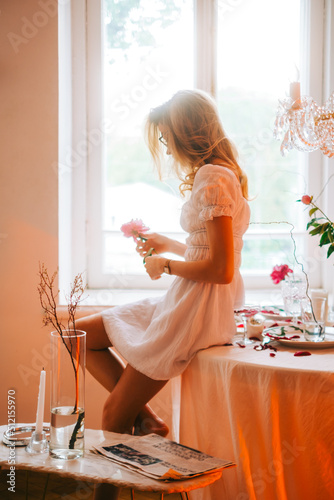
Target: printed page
159,457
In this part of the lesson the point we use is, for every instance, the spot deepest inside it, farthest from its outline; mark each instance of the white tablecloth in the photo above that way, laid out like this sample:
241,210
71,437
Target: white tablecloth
273,416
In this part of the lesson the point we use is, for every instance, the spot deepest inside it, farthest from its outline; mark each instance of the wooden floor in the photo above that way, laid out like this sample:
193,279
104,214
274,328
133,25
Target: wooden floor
31,486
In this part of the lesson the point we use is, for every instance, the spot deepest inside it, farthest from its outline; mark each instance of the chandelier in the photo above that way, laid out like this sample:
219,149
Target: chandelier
303,124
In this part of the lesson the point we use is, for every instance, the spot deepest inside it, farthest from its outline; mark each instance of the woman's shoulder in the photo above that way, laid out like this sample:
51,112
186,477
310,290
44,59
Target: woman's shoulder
211,173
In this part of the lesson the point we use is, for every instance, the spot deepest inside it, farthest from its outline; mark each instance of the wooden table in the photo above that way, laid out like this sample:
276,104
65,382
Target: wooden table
97,469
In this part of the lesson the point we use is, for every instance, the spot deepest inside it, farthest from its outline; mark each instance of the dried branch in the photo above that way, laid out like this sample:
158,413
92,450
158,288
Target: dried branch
74,298
48,300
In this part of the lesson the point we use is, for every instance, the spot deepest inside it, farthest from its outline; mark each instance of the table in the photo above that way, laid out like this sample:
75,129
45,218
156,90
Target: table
97,469
273,416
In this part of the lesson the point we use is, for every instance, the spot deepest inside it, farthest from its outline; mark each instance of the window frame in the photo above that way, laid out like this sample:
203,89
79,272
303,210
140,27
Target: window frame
81,143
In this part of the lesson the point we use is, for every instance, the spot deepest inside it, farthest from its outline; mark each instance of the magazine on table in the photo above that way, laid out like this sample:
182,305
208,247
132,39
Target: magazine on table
158,457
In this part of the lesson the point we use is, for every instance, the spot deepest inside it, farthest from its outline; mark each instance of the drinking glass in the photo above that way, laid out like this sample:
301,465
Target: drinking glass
246,313
314,318
293,291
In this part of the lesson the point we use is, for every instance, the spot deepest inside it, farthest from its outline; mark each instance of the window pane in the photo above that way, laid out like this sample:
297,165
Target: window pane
148,55
258,55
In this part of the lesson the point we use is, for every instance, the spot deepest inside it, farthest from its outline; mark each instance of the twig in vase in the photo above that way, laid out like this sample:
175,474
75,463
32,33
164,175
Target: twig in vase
73,300
48,300
292,227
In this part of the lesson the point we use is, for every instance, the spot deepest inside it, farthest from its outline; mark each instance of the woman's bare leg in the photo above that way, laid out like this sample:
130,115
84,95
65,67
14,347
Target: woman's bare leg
107,367
130,395
129,391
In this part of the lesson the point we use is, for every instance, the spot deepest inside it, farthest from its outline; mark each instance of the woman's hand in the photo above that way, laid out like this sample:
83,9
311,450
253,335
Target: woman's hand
154,266
155,241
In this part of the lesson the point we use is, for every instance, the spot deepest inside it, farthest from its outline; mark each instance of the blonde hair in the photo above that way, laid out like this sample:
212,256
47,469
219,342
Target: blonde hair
195,136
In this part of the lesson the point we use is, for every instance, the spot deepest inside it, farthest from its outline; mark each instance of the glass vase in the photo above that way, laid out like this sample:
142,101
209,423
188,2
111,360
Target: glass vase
293,291
68,359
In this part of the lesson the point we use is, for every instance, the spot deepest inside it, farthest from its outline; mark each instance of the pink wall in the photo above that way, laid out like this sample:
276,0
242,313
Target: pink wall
28,200
28,193
29,204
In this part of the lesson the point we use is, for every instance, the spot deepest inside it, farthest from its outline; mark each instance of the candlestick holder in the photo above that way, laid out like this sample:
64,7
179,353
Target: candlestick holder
21,434
38,443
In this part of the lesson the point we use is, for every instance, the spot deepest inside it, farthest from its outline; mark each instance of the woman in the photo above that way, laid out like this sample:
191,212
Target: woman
159,337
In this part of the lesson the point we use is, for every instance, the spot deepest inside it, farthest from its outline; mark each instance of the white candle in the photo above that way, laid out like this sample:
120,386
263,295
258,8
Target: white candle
295,91
40,405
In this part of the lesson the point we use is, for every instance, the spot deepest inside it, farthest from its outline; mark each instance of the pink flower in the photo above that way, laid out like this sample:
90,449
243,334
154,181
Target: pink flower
279,273
133,228
306,199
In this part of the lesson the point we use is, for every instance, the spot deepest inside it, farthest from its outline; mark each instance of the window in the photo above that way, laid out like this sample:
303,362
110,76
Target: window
247,61
147,55
254,65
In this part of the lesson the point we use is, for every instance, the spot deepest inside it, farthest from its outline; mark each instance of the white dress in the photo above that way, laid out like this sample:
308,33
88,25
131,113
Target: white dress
160,336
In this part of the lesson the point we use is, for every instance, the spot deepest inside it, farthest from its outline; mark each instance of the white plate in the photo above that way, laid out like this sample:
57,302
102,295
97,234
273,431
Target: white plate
274,313
289,331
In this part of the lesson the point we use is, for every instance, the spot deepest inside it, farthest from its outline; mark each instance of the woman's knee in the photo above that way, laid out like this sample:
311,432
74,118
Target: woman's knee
96,336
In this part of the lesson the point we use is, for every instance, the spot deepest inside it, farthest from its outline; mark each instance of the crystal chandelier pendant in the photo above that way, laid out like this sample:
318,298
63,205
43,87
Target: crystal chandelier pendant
305,126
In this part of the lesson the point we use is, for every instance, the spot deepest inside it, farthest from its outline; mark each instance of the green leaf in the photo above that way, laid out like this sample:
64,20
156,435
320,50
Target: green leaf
317,230
331,236
330,250
312,222
311,212
324,240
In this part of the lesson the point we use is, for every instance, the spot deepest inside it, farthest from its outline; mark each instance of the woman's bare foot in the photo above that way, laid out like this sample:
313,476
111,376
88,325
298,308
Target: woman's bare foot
147,422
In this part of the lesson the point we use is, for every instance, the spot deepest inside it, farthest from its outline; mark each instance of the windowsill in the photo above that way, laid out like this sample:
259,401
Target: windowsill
96,301
114,297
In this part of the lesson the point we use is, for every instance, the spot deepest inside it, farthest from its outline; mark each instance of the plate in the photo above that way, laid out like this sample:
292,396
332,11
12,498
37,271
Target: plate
290,331
275,313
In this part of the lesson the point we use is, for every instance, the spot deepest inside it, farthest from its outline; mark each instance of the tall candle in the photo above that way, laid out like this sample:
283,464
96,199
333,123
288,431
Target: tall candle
40,404
295,91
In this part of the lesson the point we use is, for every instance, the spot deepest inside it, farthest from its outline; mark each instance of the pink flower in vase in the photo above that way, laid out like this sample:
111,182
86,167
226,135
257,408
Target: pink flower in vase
279,273
133,229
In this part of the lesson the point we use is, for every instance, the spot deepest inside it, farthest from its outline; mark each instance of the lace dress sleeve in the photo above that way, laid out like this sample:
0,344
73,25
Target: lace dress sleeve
214,192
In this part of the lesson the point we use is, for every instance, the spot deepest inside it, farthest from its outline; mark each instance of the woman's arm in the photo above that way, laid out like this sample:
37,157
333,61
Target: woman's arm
218,268
161,244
